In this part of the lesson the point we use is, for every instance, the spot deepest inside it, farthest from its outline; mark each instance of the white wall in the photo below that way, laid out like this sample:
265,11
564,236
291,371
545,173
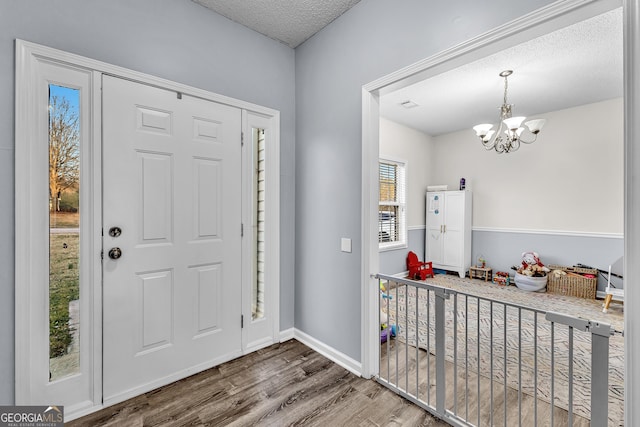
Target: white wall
570,179
399,142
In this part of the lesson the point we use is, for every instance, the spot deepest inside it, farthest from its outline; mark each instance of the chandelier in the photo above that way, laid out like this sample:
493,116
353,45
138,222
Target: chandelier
509,135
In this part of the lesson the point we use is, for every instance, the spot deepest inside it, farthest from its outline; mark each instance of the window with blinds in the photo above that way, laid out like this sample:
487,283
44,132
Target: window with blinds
391,208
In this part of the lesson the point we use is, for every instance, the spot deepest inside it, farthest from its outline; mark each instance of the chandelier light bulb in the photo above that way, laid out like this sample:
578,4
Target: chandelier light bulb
483,129
536,125
514,123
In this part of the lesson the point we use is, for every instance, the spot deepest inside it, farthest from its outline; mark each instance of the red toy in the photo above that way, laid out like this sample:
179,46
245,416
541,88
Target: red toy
418,270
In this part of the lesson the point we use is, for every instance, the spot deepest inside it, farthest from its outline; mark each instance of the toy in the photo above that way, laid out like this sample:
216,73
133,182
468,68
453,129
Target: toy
482,262
418,270
532,266
386,331
502,278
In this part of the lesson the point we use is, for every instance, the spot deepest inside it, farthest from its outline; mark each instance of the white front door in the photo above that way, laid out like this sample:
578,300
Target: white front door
172,299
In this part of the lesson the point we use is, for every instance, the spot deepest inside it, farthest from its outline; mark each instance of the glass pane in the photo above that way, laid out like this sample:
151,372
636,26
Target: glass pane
388,182
388,217
257,300
64,232
388,227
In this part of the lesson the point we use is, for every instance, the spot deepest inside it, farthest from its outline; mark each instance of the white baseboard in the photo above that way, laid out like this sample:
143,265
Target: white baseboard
329,352
287,334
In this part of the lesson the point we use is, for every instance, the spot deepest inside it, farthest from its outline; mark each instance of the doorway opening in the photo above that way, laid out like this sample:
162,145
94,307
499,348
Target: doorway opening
373,93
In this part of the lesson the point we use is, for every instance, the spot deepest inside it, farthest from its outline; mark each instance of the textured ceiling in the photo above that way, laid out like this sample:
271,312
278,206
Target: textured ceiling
576,65
288,21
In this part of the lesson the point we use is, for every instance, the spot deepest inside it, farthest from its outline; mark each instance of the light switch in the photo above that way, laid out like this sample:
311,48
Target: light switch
345,245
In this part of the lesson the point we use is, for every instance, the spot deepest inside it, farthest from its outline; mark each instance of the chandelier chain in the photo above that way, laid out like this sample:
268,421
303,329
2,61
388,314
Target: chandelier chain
506,83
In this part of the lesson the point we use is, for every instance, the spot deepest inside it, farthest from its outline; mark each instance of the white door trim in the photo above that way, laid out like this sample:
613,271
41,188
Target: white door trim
265,331
33,76
556,15
26,236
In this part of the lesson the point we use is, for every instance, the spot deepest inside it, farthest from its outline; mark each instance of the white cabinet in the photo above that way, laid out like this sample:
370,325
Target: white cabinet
448,231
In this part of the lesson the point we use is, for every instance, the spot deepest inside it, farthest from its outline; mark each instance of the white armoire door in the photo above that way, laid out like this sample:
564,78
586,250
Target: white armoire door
435,220
172,242
453,238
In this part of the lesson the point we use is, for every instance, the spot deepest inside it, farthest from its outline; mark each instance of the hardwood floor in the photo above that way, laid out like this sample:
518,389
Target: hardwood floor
468,397
285,384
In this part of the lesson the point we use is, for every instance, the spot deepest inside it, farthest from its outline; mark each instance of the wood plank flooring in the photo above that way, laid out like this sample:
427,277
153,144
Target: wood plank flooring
398,365
284,384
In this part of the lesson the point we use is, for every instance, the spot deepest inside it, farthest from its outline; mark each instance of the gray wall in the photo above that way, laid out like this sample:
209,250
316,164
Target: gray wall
174,39
373,39
503,249
394,262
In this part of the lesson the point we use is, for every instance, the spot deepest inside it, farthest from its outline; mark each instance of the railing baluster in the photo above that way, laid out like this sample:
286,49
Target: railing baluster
466,355
553,368
417,345
504,361
380,318
535,369
520,366
429,347
570,376
388,339
406,342
441,386
478,357
398,318
491,361
455,354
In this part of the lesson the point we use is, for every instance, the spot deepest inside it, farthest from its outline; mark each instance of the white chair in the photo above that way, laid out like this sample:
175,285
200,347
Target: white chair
611,291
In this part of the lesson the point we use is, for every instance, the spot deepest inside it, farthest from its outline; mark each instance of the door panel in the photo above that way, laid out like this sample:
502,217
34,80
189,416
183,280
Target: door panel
435,220
172,301
454,224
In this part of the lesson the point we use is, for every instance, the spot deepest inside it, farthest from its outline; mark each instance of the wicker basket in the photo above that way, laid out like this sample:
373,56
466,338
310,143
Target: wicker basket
574,286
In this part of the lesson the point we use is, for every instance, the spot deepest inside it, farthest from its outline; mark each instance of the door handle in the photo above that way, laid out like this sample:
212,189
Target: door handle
115,253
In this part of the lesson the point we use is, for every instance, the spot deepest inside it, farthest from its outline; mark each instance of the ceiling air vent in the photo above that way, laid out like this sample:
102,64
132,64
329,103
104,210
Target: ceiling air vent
408,104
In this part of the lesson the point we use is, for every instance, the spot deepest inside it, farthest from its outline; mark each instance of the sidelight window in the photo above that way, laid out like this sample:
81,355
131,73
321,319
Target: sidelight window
64,232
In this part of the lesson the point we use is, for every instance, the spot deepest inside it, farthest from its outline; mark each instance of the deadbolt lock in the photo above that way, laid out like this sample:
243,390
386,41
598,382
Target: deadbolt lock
115,231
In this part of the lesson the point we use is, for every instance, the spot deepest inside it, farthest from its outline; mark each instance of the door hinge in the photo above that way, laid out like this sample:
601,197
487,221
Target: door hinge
242,230
241,321
101,254
179,95
242,139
